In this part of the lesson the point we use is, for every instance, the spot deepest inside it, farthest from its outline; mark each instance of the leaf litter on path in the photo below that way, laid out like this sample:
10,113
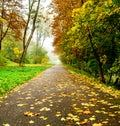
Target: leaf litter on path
71,99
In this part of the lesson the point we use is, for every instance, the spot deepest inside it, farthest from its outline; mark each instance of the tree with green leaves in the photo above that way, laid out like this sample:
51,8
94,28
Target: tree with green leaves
93,38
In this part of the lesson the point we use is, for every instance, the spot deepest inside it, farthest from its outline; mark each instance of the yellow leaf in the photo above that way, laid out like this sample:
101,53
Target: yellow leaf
20,105
31,121
3,20
84,122
74,105
43,118
95,124
45,109
112,115
48,125
105,122
63,119
92,118
58,114
115,106
6,124
78,110
97,111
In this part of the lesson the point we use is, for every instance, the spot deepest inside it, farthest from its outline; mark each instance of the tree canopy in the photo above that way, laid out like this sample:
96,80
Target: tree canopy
90,39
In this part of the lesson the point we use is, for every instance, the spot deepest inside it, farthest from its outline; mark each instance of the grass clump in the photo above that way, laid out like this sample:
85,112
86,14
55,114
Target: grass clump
12,76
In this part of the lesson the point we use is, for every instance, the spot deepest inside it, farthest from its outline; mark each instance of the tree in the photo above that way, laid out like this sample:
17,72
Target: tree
91,41
11,19
32,17
62,19
39,57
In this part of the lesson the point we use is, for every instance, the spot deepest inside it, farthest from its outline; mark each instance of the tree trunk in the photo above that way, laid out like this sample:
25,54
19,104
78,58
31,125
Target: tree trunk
1,27
25,45
97,58
110,78
0,46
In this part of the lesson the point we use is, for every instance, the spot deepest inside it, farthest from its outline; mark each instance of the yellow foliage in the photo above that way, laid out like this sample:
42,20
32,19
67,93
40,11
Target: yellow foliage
3,20
109,2
17,52
44,60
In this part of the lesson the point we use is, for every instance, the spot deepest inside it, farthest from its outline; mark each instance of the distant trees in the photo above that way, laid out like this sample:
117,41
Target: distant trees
19,23
91,41
36,54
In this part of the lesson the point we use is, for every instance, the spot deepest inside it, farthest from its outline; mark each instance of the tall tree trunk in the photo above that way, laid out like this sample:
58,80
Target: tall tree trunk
1,26
26,43
96,55
0,46
0,36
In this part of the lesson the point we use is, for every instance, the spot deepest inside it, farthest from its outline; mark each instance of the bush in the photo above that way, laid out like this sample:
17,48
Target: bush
3,61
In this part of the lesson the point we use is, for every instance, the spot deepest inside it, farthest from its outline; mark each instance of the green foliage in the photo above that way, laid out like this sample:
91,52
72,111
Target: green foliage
36,54
93,41
12,76
11,49
2,61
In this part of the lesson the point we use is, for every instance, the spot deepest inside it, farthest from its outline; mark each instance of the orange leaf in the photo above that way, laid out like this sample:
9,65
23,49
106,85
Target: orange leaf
29,113
87,112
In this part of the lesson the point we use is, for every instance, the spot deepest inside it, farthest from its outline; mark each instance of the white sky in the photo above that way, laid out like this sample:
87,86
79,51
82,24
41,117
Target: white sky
48,41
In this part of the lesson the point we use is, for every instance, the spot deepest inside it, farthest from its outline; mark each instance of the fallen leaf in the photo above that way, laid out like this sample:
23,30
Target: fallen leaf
43,118
45,109
105,122
88,105
6,124
95,124
63,119
48,125
84,122
32,107
72,117
74,105
97,111
31,121
73,93
28,113
63,95
20,105
87,112
112,115
115,106
78,123
92,118
58,114
93,99
78,110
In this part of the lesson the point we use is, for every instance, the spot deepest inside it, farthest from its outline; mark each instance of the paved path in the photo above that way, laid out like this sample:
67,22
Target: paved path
59,98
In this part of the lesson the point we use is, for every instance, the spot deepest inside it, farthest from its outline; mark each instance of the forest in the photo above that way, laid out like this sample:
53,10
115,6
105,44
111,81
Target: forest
87,37
23,29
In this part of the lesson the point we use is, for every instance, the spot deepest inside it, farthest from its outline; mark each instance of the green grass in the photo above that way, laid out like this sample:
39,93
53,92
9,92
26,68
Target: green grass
12,76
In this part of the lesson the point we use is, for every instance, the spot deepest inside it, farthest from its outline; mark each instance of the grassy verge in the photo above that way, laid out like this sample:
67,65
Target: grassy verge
91,80
12,76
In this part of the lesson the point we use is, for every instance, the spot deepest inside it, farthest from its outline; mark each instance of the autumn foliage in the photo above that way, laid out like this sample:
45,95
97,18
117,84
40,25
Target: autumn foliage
87,36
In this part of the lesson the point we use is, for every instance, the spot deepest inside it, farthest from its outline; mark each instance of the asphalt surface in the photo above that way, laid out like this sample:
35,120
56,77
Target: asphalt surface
59,98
